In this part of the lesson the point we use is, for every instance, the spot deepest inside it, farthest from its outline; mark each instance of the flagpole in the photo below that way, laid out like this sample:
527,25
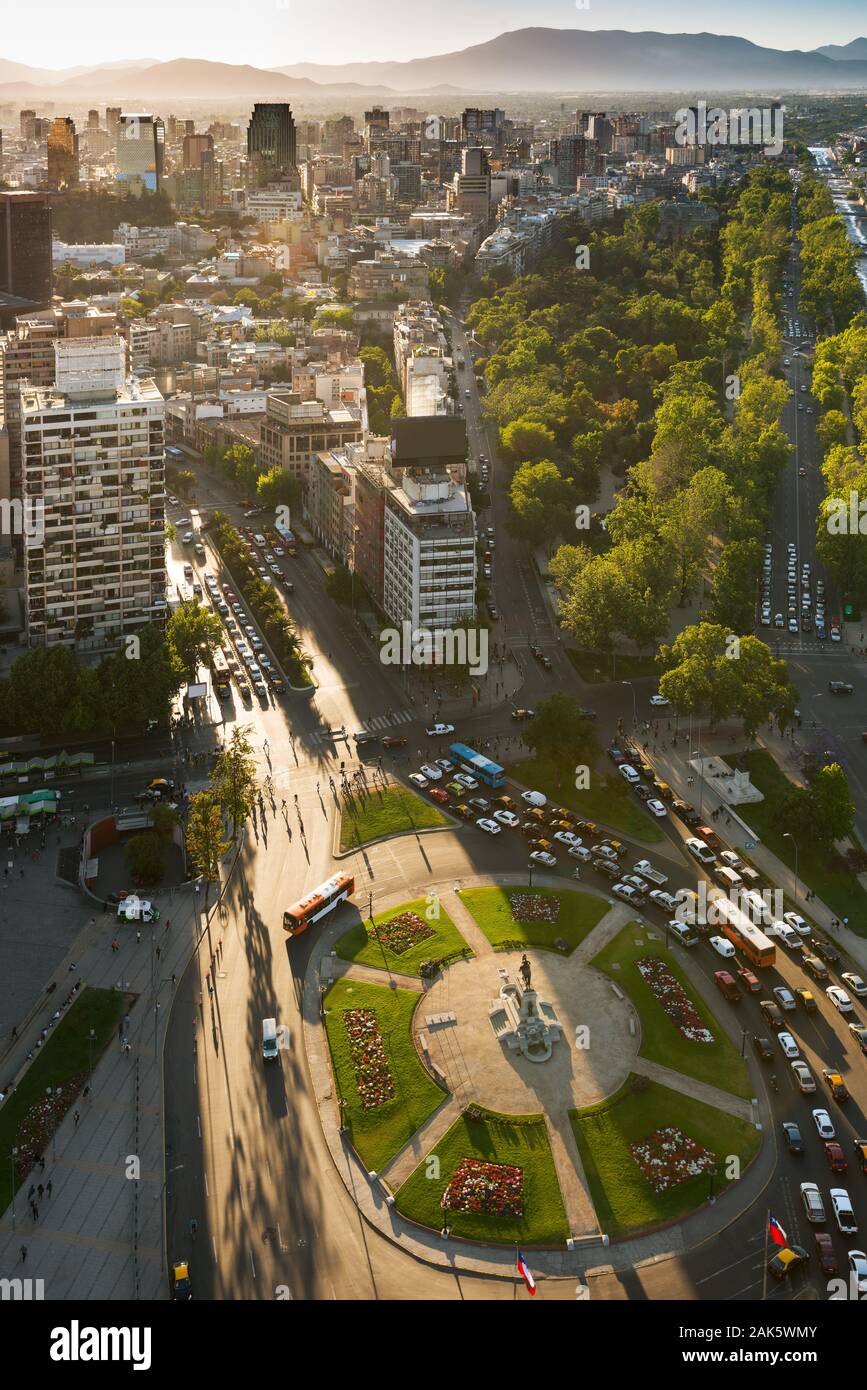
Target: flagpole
517,1276
765,1261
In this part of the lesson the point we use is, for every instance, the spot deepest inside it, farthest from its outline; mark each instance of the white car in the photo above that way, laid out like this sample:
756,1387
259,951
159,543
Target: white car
433,774
803,1077
663,899
722,946
699,850
730,859
567,837
794,920
822,1121
534,798
581,852
839,998
629,774
418,781
787,935
466,781
541,856
445,764
490,827
440,730
855,983
506,818
841,1205
657,808
858,1267
790,1047
659,701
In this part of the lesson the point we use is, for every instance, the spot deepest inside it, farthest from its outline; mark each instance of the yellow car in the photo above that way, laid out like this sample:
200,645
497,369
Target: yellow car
786,1261
182,1288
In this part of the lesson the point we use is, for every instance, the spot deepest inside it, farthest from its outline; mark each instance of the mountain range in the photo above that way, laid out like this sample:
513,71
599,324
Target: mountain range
523,60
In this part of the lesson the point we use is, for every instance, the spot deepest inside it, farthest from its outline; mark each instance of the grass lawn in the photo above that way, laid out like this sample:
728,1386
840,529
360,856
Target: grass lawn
389,812
520,1141
380,1132
491,907
607,799
358,945
27,1119
624,1200
719,1063
827,877
597,668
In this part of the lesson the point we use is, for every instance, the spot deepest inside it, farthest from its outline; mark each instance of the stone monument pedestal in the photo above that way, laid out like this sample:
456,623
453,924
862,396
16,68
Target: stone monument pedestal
524,1022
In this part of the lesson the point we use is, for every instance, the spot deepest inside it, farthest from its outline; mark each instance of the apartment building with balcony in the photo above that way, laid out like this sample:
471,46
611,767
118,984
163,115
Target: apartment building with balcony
389,274
294,430
93,461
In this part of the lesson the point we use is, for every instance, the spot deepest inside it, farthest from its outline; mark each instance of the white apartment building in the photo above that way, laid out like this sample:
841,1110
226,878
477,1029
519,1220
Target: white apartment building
421,357
93,468
88,253
429,552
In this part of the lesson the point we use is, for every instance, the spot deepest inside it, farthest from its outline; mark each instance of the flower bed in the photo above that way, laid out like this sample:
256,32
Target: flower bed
401,933
372,1075
40,1122
534,907
673,998
668,1157
488,1189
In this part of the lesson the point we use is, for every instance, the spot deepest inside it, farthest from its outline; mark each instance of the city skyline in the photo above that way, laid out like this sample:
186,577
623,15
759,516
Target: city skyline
275,34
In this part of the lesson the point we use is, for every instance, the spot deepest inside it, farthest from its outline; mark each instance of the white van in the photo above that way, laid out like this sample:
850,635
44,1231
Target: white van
700,850
722,947
728,878
260,541
534,798
269,1039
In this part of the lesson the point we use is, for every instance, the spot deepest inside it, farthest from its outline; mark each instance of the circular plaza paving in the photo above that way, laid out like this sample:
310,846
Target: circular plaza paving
476,1062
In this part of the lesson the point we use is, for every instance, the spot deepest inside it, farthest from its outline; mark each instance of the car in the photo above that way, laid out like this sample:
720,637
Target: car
628,893
465,812
605,850
182,1287
839,998
854,982
825,950
466,781
490,827
788,1043
439,794
699,850
786,934
445,764
748,981
616,755
771,1013
784,997
659,701
657,807
507,818
537,799
244,692
813,1204
667,901
567,837
541,856
822,1121
859,1033
722,946
793,625
860,1147
835,1157
433,773
796,922
763,1048
520,716
541,843
806,998
609,867
792,1137
858,1269
363,736
778,620
418,780
481,805
580,852
394,741
836,1085
841,1205
804,1079
825,1253
787,1261
440,730
840,687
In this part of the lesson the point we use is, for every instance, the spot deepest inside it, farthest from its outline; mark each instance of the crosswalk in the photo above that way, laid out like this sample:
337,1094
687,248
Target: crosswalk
373,726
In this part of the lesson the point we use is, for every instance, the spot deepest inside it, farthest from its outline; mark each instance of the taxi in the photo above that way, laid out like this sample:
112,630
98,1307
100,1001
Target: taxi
182,1288
786,1261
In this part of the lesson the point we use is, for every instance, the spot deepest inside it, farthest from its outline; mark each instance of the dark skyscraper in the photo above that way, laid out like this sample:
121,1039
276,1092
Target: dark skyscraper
62,154
271,142
25,249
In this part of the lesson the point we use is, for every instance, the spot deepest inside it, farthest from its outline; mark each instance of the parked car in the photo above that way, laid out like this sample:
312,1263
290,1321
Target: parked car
418,780
506,818
490,827
541,856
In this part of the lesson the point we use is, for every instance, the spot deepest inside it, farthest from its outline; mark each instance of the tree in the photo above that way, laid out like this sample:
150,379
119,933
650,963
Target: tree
277,488
185,481
339,586
733,592
543,503
561,736
205,840
832,810
526,441
233,778
686,521
711,670
146,857
193,635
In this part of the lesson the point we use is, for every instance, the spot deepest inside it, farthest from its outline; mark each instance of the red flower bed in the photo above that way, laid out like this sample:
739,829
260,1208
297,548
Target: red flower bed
673,998
40,1122
372,1076
402,932
668,1157
534,907
491,1189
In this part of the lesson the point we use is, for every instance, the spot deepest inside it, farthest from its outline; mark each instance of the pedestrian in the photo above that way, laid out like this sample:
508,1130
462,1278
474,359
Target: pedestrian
42,1163
158,952
31,1193
40,1189
120,1032
23,1253
137,938
34,1211
174,977
86,1092
126,1046
48,1187
194,1225
168,924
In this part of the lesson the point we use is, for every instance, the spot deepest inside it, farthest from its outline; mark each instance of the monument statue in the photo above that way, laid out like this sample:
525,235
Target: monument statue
525,972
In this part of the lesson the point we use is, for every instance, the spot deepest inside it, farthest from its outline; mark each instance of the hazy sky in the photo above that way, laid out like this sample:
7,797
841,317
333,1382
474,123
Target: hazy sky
268,33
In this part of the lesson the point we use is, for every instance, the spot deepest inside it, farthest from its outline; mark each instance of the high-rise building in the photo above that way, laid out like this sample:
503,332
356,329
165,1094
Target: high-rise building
195,146
271,143
25,250
93,461
141,142
473,185
112,120
25,119
573,156
376,126
93,120
62,154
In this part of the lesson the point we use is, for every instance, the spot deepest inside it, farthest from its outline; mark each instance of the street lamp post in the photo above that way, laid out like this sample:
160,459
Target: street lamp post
711,1172
634,703
91,1039
788,836
530,870
12,1157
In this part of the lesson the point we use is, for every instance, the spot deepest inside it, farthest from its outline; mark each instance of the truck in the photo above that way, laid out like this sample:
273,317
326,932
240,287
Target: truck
645,870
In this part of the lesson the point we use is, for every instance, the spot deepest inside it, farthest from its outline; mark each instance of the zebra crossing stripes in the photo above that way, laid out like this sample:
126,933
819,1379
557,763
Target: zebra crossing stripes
384,721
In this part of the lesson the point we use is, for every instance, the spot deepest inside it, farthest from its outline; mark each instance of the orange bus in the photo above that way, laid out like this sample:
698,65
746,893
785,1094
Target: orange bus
759,950
322,900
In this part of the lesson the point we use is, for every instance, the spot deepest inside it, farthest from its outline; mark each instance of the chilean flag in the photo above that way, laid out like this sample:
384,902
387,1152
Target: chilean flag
526,1275
775,1231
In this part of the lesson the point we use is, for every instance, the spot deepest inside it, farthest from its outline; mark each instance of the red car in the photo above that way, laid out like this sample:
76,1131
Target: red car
837,1160
825,1252
437,794
709,836
393,741
748,982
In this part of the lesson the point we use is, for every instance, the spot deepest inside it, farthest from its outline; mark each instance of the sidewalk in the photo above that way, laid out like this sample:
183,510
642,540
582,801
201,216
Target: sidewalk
100,1235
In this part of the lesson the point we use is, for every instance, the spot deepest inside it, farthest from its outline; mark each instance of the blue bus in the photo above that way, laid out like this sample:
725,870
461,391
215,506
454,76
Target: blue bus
477,765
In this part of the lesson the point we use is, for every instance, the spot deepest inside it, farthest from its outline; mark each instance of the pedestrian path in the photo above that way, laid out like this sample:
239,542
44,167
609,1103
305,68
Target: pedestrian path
376,725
